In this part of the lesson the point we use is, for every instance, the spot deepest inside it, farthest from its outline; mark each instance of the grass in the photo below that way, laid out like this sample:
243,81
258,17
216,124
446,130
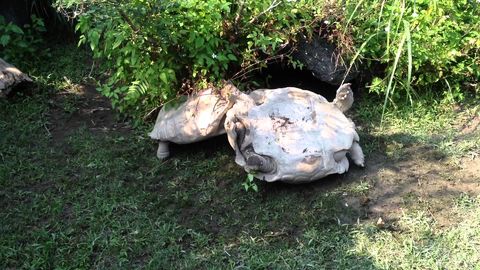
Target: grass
428,121
101,200
422,246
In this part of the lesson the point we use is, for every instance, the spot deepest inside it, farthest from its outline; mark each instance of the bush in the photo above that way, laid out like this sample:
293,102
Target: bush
426,45
153,50
150,48
19,45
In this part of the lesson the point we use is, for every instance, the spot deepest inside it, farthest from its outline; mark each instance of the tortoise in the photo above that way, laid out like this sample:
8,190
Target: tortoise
293,135
200,117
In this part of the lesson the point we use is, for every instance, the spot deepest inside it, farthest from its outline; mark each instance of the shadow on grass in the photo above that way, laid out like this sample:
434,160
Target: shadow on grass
401,173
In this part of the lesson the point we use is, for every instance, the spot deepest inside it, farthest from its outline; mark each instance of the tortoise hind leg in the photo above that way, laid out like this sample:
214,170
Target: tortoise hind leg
356,154
163,152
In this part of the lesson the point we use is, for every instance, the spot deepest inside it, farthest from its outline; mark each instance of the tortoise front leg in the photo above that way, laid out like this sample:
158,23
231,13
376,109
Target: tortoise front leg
259,163
163,152
254,161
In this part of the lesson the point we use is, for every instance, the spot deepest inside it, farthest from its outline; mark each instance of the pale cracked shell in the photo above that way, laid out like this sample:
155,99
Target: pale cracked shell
198,118
298,129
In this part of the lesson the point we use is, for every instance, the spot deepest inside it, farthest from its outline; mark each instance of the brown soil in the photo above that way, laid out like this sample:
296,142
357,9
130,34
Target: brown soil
82,107
422,178
418,182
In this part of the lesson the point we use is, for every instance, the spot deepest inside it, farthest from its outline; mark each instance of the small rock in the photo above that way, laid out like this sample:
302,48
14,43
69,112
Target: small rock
380,223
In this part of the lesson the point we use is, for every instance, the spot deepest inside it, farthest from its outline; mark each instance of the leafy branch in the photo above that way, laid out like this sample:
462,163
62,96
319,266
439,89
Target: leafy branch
273,5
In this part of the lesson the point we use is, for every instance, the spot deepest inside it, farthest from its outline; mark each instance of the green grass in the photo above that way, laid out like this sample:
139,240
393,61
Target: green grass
429,121
103,201
93,203
419,245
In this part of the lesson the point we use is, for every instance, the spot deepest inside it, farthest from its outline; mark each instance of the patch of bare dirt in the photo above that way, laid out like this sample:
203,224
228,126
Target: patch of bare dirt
417,181
82,106
471,167
471,125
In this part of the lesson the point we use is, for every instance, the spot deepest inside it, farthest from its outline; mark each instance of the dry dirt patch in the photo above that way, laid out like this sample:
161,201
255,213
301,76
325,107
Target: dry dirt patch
418,182
82,107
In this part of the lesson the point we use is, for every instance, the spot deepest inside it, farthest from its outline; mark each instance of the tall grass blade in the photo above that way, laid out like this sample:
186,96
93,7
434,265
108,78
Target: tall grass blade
380,15
356,56
351,16
410,62
450,92
387,50
400,18
392,74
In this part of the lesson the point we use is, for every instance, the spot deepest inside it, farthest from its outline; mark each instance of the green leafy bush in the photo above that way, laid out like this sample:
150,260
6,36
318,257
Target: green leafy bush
426,45
21,45
151,48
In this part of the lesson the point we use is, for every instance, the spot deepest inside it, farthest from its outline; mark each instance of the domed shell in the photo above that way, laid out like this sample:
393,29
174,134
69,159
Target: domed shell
199,117
305,135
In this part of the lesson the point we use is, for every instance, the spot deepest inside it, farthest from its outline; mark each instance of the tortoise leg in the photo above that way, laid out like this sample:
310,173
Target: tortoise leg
339,155
163,152
356,154
256,162
344,165
240,129
344,98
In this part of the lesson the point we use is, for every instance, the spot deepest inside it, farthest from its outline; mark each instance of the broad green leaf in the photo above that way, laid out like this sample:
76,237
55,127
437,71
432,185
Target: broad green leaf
232,57
4,39
199,42
163,77
94,37
117,42
16,29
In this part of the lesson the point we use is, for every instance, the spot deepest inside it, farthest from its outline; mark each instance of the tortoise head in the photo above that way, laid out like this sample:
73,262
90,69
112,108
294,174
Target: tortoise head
229,92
